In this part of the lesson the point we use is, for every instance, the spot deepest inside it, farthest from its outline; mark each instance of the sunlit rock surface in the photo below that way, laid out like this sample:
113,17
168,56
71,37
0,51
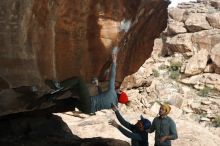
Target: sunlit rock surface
58,39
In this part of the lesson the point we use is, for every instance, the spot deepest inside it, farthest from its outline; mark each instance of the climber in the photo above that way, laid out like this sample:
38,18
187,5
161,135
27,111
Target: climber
87,103
137,133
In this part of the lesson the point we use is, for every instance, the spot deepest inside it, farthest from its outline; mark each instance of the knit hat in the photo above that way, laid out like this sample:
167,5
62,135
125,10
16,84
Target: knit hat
146,123
123,98
167,108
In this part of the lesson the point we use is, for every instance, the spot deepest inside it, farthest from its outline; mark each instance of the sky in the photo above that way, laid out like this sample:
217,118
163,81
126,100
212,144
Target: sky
175,2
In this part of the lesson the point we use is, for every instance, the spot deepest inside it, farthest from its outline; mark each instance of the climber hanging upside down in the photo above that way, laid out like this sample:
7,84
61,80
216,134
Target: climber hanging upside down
90,104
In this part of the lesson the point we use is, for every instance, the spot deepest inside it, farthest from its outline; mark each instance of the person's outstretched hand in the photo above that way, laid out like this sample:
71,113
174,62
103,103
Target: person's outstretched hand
113,123
114,108
96,81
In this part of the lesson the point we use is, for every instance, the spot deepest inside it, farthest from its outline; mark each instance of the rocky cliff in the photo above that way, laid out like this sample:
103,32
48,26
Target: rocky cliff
58,39
184,72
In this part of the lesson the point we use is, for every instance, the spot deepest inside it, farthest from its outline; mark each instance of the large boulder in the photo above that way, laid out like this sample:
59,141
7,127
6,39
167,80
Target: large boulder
196,22
181,43
56,40
206,79
213,19
206,39
177,14
197,63
46,131
215,3
215,54
175,27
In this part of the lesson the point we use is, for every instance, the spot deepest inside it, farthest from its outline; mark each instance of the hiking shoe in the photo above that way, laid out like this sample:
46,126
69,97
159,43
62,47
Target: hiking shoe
53,84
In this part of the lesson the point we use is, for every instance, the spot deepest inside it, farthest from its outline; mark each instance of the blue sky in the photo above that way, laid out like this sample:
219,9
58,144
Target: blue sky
175,2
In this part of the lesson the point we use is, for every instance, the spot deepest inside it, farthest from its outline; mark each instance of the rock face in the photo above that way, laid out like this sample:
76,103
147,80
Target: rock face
64,38
46,131
184,66
58,39
200,42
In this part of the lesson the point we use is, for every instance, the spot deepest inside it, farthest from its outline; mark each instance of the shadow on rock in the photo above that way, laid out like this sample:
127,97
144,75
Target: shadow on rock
45,130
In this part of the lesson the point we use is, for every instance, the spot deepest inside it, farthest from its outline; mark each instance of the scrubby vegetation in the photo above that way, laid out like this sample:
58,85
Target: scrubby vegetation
217,121
162,67
155,73
204,92
175,70
174,75
175,66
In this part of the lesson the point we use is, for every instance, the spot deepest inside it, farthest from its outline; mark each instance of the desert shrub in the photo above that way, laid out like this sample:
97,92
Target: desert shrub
175,70
174,75
217,121
162,67
204,92
175,66
155,73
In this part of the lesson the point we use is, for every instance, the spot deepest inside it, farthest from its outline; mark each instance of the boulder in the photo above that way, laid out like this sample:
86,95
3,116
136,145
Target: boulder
206,79
215,3
180,43
56,40
197,63
213,19
215,55
175,27
197,22
46,131
206,39
177,14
